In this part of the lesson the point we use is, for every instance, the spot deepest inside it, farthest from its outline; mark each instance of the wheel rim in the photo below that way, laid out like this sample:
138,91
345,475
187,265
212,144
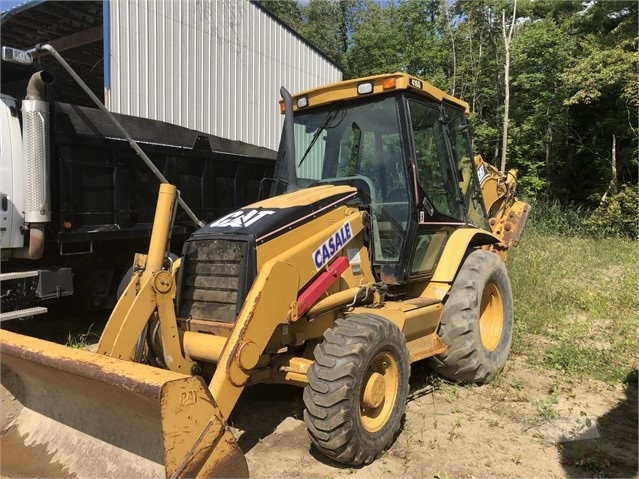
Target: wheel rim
379,392
491,317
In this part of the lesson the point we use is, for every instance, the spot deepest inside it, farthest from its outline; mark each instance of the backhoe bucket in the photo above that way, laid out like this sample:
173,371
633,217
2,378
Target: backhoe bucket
92,415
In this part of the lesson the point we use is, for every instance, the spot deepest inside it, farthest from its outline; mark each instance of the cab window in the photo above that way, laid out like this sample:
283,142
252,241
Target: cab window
463,157
435,173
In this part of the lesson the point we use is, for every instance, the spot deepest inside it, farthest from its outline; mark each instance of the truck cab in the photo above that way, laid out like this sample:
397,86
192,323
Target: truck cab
11,175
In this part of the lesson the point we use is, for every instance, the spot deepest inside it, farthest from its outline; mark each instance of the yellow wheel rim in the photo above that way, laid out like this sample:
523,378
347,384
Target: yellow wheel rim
379,392
491,317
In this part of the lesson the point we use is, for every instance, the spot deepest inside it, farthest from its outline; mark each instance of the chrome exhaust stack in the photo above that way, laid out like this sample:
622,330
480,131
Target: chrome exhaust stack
35,141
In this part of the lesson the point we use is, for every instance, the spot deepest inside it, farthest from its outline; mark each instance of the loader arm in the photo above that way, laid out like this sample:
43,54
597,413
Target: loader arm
274,299
150,290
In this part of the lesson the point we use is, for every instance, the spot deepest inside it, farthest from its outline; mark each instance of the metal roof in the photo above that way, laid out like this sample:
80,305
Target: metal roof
73,28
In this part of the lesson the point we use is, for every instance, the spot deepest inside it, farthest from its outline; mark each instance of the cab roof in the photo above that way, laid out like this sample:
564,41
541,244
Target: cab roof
351,89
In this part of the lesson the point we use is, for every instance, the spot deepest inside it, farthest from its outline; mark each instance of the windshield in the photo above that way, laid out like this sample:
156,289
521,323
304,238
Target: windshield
358,144
350,139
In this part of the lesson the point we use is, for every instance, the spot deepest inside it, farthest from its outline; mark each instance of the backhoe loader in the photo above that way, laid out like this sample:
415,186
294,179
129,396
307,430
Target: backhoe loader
380,241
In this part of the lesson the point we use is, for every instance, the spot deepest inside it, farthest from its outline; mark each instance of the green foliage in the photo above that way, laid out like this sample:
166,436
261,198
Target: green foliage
376,46
551,217
616,215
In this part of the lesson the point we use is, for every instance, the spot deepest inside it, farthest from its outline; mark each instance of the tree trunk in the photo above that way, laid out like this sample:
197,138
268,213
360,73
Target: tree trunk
615,181
548,154
452,44
507,40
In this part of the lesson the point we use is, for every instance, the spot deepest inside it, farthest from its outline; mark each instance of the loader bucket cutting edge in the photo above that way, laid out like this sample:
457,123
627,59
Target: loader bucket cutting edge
98,416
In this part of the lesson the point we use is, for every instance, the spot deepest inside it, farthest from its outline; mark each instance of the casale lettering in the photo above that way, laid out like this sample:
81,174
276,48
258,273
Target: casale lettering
332,246
242,218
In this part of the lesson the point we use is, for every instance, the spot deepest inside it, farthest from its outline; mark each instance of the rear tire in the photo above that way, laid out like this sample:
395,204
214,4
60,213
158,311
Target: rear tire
357,389
477,321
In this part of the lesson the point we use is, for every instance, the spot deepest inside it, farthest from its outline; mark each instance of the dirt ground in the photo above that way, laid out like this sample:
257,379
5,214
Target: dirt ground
526,424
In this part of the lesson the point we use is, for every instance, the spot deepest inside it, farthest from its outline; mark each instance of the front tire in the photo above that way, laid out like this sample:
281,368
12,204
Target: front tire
357,389
477,321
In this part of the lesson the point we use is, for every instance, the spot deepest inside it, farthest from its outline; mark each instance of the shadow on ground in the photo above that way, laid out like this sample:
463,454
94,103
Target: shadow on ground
615,452
262,408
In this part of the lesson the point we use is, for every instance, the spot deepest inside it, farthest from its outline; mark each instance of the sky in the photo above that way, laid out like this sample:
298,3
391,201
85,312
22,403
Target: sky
7,4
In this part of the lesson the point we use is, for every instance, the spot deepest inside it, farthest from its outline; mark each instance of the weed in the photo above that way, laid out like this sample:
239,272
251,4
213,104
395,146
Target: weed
453,432
589,456
546,407
582,423
405,445
494,423
517,384
441,475
517,459
450,392
551,217
83,340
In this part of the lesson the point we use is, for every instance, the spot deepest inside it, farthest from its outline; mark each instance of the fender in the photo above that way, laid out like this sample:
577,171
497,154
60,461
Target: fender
455,250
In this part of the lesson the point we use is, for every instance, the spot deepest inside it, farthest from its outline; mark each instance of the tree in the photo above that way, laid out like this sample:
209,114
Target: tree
602,98
552,89
328,25
376,46
540,125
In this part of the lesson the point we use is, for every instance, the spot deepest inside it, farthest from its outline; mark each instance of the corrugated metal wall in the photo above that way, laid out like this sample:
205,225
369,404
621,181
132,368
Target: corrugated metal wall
211,65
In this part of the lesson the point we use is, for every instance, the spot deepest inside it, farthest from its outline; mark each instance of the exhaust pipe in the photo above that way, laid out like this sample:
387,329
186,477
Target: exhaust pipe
35,141
289,134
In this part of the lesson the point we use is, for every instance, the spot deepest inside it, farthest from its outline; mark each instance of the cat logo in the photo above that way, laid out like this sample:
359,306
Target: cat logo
242,218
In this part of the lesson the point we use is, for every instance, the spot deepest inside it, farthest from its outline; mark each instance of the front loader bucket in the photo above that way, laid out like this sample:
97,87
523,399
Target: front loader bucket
96,416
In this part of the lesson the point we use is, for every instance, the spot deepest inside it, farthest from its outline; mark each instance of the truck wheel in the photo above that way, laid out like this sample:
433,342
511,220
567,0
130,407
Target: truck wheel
477,321
357,389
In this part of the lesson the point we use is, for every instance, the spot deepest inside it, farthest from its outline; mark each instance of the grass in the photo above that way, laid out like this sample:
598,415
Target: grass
576,301
82,340
550,216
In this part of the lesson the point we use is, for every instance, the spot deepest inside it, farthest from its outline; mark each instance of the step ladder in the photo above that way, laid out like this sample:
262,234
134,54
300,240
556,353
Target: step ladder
20,313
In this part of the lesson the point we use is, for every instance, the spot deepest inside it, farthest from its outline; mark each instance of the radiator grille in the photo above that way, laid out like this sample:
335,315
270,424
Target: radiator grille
214,273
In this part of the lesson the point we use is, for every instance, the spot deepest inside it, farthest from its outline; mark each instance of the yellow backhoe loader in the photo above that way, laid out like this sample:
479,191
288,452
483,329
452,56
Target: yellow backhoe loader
381,241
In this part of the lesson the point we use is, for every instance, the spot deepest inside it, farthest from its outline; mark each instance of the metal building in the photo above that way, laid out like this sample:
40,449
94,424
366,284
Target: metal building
211,65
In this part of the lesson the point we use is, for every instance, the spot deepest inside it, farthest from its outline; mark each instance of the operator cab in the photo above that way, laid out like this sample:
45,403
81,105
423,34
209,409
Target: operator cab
409,156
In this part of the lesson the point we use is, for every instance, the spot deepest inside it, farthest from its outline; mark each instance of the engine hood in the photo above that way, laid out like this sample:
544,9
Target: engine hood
272,217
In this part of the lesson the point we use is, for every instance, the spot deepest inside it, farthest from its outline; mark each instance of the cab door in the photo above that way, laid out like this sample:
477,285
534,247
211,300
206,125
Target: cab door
440,205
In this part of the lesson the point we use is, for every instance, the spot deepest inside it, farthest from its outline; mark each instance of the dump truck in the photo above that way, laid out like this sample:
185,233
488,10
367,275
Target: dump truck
381,241
76,201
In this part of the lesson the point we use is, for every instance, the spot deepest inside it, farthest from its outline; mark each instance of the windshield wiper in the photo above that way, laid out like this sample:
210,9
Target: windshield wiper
330,116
